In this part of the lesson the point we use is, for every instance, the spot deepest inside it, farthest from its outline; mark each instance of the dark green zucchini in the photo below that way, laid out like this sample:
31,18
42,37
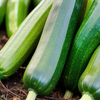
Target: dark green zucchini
46,65
3,4
23,42
86,40
84,4
85,8
89,82
16,12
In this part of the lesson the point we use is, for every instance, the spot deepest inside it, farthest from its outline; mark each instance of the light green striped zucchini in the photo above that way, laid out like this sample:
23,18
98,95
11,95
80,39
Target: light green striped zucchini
23,42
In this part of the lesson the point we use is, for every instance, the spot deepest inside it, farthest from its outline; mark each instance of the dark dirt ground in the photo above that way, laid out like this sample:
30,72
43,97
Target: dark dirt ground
13,88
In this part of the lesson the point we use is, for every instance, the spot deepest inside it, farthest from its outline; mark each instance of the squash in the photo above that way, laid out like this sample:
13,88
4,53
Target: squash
16,12
3,4
24,41
89,82
86,40
47,63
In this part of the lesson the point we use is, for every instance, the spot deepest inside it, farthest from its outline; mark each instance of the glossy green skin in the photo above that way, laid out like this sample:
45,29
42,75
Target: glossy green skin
46,65
3,4
89,82
85,8
36,2
85,42
89,4
82,13
16,12
23,42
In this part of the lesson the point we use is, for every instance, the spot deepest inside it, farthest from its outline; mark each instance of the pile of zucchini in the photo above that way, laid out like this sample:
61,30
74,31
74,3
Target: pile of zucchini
65,38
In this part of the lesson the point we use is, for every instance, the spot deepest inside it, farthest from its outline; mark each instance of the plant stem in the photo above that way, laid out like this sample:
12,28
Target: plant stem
31,95
68,94
86,97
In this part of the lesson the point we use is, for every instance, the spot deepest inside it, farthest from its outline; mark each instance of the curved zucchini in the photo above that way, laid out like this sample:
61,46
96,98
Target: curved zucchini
36,2
3,4
23,42
16,12
89,82
46,65
86,40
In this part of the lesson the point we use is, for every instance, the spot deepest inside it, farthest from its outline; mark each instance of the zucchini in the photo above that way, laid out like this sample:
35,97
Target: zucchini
89,82
36,2
23,42
82,13
89,4
16,12
47,63
3,4
86,40
85,8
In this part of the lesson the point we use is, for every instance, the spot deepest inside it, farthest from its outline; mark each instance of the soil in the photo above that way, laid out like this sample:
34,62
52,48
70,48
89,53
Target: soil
13,88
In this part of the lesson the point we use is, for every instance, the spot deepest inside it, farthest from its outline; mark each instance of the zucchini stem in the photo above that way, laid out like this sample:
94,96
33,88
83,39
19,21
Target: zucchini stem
31,95
86,97
68,94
